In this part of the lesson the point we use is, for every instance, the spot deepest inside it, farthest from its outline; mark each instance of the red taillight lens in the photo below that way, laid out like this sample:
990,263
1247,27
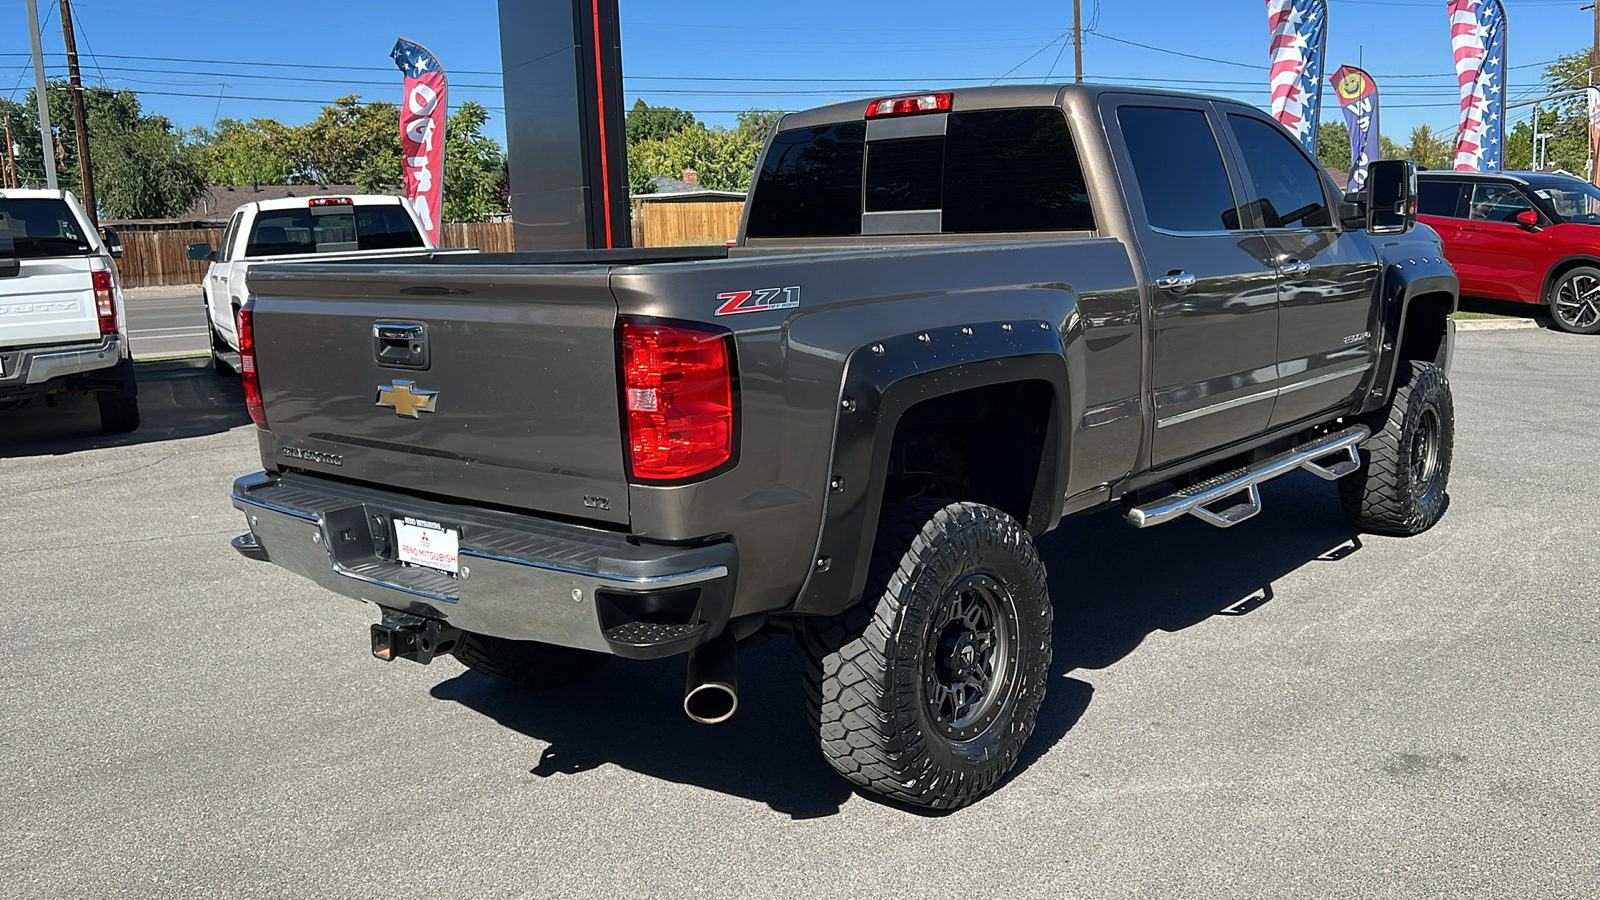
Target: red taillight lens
247,367
105,302
678,394
909,106
332,201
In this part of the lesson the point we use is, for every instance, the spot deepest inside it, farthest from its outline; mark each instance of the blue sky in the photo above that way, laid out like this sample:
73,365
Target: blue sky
717,57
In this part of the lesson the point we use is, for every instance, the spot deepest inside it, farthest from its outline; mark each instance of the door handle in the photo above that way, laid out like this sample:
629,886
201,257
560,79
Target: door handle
400,345
1181,283
1295,269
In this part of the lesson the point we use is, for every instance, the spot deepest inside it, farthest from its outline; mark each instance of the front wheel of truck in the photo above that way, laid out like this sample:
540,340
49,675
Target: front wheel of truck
527,664
925,692
1405,465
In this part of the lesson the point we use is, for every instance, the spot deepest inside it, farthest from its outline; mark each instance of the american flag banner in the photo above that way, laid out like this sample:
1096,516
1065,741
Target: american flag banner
422,118
1299,33
1478,36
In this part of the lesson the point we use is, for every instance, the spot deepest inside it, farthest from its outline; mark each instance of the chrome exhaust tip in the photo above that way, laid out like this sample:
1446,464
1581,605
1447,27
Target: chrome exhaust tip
711,690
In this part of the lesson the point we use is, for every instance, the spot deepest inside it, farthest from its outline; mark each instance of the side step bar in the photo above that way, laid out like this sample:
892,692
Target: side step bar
1195,499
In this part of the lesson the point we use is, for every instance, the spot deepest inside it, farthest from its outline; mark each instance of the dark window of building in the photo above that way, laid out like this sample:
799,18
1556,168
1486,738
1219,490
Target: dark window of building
810,184
1179,168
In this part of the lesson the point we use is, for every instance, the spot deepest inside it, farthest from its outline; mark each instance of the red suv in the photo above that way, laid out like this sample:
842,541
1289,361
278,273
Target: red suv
1521,236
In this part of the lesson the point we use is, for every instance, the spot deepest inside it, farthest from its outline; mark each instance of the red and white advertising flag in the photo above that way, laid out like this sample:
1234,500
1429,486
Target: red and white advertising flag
422,118
1592,96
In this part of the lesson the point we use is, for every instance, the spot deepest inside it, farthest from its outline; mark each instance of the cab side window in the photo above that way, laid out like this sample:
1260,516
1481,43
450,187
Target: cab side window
1287,185
1179,168
1497,203
226,250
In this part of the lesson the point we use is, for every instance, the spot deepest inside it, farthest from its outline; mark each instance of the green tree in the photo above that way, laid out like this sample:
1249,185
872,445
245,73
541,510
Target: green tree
1429,150
725,159
655,123
755,124
143,167
474,167
349,142
239,153
1333,145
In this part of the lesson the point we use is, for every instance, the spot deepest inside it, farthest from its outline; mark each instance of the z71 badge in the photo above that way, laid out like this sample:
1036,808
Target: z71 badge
758,301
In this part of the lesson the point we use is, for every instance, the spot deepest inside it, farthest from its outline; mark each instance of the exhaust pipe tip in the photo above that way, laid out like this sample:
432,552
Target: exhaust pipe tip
711,703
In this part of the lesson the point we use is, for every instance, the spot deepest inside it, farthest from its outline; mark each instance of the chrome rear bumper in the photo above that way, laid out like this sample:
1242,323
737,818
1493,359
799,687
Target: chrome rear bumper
521,577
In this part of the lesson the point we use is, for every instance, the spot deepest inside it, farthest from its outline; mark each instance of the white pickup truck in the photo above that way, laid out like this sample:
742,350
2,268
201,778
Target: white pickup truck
299,229
63,326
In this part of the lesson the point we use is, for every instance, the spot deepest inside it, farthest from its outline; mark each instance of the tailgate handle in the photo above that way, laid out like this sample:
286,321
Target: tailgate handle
400,345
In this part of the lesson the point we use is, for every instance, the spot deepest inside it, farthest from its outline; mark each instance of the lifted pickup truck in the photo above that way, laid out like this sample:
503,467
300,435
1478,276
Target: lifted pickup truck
950,320
63,328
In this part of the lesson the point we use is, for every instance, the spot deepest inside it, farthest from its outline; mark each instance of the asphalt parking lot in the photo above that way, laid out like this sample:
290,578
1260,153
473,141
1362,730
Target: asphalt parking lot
1284,709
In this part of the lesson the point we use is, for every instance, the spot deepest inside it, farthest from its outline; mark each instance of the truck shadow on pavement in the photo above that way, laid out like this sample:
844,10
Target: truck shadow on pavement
175,403
1112,587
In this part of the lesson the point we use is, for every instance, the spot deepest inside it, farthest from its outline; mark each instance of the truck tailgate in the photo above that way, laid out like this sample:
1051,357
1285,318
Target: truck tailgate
512,399
51,301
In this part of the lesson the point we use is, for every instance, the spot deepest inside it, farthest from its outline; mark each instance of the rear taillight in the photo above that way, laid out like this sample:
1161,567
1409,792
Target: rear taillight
247,366
331,201
915,104
678,395
105,302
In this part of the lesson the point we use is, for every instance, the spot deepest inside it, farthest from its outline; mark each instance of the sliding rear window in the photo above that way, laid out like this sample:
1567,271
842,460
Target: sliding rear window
333,229
992,171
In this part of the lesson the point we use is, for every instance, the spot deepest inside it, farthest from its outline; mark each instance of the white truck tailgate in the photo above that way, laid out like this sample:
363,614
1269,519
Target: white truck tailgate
50,301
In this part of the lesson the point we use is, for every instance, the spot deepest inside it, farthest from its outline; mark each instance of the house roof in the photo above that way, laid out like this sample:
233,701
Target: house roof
218,203
669,188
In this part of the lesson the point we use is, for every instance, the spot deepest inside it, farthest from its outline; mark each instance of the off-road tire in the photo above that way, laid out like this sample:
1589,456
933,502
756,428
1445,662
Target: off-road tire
870,671
1399,488
528,664
1584,319
118,415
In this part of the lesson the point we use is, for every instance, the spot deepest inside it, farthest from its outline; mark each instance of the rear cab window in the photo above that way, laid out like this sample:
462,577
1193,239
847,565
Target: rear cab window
332,229
982,172
40,228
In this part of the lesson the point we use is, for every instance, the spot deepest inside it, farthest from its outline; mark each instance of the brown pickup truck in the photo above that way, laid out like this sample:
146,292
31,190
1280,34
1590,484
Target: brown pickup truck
950,320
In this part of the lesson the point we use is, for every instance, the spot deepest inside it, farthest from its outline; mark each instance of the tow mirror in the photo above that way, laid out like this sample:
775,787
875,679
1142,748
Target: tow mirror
1391,197
1528,219
113,241
202,253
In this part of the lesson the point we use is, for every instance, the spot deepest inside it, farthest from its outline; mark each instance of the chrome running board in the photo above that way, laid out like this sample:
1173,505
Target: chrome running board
1315,457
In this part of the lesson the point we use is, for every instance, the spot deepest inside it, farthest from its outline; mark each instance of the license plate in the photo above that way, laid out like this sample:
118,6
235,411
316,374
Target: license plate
427,544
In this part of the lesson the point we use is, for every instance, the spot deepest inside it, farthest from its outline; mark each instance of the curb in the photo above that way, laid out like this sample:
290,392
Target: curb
1496,324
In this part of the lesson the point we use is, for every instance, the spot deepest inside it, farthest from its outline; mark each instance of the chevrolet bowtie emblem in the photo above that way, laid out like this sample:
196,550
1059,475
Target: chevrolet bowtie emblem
404,398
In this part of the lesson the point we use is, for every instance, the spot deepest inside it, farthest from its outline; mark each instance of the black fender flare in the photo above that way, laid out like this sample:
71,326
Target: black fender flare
1404,281
881,382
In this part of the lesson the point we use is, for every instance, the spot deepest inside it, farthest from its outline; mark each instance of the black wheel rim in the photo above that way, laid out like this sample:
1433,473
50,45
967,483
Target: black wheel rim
1578,302
971,654
1425,453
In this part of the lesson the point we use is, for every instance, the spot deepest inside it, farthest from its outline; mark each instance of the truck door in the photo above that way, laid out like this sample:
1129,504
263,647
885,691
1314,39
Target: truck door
1327,277
217,279
1213,289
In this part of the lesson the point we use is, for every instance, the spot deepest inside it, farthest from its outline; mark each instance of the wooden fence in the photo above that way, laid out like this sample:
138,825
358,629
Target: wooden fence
160,257
685,224
152,258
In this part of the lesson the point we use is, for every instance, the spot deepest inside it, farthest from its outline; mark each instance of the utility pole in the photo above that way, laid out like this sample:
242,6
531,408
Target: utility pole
82,127
1077,39
11,160
46,133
